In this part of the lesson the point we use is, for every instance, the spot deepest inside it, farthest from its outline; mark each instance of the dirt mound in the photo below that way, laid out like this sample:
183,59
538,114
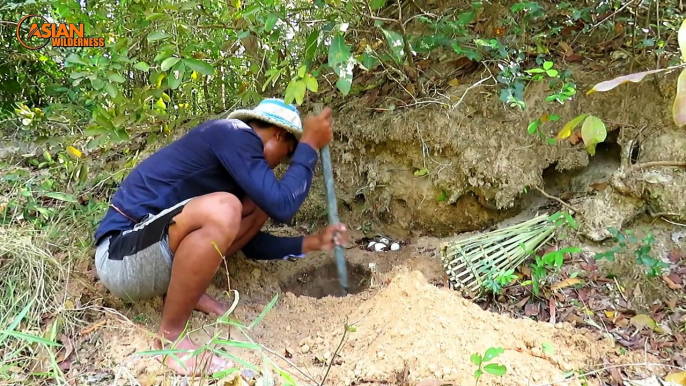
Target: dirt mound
415,330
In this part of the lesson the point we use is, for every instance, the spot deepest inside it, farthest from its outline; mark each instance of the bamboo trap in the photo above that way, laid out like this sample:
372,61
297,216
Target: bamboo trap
469,261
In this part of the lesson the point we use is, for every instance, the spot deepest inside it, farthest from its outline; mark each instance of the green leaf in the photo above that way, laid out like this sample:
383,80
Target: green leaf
176,75
344,85
682,40
492,352
77,75
311,83
339,51
533,126
270,22
30,338
593,132
120,135
104,122
478,373
369,61
300,88
97,83
120,120
117,78
157,36
547,65
237,344
73,58
199,66
547,348
109,87
289,97
169,63
421,172
264,312
535,71
395,43
142,66
301,71
188,5
95,131
311,46
569,127
495,369
679,105
377,4
160,104
552,73
61,196
476,359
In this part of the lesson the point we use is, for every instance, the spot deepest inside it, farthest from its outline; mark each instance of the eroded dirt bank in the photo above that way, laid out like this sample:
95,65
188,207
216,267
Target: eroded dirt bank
478,157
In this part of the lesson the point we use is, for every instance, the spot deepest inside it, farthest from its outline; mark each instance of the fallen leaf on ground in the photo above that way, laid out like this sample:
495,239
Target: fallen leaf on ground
522,302
531,309
565,283
642,321
671,283
671,303
568,50
599,186
454,82
678,378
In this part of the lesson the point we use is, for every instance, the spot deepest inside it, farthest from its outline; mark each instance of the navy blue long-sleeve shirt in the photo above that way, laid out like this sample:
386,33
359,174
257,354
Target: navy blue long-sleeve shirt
217,156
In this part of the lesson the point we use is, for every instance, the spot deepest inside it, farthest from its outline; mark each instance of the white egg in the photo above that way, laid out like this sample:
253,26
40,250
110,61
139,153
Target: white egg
378,247
384,240
370,246
395,246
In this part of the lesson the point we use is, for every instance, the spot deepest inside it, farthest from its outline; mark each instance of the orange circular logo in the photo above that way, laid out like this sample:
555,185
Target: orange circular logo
29,32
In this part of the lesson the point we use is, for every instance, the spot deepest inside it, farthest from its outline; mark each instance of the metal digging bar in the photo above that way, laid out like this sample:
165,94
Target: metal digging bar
332,209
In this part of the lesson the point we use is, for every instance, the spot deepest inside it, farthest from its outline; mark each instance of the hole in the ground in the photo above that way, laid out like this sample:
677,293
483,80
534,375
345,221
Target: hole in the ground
322,281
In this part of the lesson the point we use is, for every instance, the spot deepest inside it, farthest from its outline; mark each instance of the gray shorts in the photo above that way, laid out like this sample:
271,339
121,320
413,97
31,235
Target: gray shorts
136,264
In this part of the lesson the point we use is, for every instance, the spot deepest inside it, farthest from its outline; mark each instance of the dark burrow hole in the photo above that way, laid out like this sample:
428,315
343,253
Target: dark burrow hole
322,281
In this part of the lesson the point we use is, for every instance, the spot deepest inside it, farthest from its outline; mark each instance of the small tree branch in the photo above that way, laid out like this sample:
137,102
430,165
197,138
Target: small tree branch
653,164
557,199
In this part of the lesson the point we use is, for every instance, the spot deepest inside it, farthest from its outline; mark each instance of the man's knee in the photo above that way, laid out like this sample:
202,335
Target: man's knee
222,210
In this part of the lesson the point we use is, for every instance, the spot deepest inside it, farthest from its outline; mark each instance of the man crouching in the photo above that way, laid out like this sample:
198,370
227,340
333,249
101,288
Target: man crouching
214,188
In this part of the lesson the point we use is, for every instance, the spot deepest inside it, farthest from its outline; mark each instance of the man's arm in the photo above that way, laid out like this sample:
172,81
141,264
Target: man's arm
241,152
269,247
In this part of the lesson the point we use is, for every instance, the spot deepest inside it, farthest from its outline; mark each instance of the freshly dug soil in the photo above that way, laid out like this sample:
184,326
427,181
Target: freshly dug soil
409,327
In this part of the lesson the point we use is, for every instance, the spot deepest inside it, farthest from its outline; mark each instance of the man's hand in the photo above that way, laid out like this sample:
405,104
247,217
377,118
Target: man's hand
325,240
317,130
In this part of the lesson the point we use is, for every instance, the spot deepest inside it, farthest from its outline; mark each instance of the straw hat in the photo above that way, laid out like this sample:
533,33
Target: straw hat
274,111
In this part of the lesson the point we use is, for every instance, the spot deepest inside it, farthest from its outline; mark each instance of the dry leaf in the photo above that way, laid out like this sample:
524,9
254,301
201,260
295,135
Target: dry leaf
610,314
454,82
678,378
522,302
641,321
410,88
567,48
599,186
565,283
671,303
671,284
574,58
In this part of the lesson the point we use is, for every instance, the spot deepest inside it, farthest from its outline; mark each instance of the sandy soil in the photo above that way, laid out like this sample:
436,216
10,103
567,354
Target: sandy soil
409,327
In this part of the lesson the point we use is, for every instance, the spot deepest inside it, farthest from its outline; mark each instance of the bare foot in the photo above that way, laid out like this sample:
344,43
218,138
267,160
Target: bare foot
212,306
203,363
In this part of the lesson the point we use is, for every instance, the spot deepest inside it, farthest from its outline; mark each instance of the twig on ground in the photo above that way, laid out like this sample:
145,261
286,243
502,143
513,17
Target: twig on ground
653,164
267,349
335,353
611,367
557,199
